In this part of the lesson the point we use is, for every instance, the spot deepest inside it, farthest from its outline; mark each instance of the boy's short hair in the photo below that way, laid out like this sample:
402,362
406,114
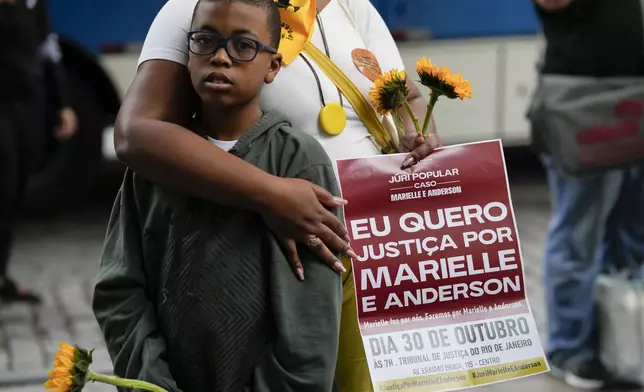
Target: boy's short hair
272,13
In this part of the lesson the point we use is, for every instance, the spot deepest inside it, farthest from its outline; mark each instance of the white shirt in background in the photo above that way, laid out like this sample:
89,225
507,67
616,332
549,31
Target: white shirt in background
350,25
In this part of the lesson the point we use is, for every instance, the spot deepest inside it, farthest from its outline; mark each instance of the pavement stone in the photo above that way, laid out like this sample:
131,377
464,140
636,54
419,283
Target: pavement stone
39,388
59,257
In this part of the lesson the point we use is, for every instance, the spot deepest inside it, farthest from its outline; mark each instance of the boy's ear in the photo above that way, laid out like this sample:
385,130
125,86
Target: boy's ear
274,68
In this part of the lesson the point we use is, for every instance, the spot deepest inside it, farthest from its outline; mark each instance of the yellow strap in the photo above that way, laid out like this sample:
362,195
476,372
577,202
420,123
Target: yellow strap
364,110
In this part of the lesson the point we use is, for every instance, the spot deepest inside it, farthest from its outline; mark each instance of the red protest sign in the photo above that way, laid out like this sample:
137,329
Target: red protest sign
438,256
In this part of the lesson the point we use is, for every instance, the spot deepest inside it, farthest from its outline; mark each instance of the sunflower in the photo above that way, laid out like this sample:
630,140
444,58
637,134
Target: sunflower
71,365
462,87
425,66
442,81
389,91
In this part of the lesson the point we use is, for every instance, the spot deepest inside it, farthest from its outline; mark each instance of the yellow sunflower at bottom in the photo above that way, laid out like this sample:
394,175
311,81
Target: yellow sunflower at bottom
71,365
71,371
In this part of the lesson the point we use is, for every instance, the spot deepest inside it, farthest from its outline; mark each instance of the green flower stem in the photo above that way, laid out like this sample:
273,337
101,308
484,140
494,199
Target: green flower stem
433,98
390,148
123,382
411,114
398,122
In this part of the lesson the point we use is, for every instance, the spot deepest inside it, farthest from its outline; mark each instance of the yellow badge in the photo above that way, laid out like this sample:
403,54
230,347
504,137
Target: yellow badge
298,21
333,118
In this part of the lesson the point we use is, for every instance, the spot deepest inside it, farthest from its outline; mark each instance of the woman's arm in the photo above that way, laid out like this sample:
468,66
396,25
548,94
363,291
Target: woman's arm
150,138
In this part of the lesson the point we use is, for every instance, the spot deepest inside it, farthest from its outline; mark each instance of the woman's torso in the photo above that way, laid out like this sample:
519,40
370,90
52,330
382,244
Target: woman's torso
295,91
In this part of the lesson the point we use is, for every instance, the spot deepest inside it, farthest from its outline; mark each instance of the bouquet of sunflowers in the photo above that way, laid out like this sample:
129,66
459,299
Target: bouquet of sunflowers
389,93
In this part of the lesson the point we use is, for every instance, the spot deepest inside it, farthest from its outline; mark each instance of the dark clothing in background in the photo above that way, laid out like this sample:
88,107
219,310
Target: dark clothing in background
28,52
21,144
22,31
594,38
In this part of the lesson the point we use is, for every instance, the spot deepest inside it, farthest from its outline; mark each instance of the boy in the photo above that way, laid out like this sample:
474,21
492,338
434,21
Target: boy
196,297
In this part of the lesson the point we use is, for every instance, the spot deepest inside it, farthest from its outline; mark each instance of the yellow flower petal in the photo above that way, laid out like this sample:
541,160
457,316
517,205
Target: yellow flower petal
68,350
61,379
442,81
425,66
63,362
444,74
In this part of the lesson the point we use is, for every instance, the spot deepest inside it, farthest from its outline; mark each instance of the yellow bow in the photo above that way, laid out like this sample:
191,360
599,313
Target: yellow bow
298,20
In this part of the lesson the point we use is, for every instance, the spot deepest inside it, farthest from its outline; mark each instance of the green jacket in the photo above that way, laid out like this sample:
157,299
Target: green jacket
199,297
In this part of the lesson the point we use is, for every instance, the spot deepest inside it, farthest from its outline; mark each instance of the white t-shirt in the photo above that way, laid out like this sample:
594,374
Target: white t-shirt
223,144
348,25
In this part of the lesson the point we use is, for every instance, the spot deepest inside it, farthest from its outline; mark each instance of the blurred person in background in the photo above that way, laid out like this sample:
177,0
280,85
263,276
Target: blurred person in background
596,218
29,69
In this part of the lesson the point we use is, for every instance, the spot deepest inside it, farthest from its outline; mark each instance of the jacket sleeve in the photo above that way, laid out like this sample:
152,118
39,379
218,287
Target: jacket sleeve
306,314
121,302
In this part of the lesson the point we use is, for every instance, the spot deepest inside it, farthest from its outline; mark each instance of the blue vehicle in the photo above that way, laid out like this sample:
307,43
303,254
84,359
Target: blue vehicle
494,43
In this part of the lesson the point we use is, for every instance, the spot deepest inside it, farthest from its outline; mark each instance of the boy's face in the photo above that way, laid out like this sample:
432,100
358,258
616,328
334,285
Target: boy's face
218,78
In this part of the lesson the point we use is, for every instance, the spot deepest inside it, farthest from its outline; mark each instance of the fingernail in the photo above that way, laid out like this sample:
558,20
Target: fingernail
346,238
338,267
351,254
340,201
407,162
300,273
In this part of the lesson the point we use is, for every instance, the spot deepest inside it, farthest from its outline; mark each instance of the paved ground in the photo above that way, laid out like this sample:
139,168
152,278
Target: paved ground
58,257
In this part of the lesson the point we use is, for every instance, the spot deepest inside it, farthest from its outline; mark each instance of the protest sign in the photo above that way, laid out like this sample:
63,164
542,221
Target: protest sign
439,277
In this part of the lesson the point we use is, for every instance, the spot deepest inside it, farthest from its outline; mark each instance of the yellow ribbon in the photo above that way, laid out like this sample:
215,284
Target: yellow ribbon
298,21
364,110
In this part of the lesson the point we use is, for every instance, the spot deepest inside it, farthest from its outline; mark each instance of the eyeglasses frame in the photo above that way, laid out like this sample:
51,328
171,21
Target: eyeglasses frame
223,43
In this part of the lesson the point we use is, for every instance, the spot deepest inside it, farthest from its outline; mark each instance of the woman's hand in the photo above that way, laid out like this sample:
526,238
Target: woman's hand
295,211
419,146
68,124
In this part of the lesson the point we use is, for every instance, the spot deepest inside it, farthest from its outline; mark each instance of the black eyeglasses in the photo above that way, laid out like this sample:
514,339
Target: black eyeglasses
205,43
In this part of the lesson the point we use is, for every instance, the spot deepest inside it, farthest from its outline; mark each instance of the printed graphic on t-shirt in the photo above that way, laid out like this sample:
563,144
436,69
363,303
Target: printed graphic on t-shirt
285,4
